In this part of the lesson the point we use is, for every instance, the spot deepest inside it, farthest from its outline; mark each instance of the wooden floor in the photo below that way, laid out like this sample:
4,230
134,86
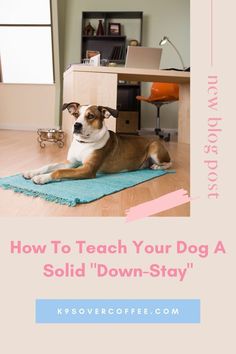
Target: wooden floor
19,151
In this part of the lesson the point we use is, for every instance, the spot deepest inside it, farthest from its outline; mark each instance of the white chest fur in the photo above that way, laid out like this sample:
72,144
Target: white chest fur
79,152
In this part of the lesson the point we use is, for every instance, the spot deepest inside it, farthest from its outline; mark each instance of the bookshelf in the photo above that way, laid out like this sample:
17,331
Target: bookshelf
113,47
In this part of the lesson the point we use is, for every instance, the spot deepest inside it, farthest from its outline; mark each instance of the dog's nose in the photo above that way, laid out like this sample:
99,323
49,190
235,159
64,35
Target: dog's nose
77,127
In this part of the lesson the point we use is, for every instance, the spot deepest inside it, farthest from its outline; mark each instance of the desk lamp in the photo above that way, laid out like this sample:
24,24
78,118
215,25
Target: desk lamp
164,41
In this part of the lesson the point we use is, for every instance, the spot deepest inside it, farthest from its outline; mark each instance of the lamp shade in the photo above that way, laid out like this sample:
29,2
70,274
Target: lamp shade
163,41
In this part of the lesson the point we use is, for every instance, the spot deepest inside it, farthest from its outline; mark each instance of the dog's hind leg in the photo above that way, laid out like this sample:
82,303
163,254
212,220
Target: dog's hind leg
160,158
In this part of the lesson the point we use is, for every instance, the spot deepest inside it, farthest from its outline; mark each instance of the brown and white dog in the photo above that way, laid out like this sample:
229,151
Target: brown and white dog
99,149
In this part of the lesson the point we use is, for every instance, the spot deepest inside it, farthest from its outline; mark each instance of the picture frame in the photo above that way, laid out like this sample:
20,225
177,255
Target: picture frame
114,29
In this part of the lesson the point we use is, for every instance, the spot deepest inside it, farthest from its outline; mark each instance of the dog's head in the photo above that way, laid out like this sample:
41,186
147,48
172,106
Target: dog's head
89,120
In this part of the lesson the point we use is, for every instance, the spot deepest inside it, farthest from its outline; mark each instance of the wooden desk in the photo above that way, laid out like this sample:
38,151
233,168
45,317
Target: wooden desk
98,85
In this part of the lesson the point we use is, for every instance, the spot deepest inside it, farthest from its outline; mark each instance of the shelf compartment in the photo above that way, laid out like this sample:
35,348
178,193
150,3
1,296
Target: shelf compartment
106,46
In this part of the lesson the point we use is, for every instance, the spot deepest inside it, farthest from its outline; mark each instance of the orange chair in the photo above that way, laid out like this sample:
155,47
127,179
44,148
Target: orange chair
161,93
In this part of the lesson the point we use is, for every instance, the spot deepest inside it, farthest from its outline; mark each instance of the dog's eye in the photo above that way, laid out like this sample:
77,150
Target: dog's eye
90,116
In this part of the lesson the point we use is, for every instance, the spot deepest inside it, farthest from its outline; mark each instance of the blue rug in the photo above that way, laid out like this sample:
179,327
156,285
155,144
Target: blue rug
80,191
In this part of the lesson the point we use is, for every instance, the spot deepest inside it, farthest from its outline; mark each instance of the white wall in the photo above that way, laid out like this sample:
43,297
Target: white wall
161,17
170,18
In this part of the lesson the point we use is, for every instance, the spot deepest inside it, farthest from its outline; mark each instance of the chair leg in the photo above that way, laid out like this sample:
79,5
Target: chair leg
158,128
158,131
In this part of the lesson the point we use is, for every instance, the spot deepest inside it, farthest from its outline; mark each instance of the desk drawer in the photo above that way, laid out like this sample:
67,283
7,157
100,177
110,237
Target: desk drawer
127,122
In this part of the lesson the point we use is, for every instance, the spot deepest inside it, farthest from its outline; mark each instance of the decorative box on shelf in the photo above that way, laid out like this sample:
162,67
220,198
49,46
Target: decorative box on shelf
52,136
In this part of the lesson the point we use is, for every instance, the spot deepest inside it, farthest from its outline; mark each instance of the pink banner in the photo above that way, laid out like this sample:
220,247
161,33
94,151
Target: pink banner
158,205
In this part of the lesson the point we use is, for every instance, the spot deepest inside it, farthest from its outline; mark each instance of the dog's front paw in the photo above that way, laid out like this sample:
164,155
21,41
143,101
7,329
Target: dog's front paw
29,174
42,179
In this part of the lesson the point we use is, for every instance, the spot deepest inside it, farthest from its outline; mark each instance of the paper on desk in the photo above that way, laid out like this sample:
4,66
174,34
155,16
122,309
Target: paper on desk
95,61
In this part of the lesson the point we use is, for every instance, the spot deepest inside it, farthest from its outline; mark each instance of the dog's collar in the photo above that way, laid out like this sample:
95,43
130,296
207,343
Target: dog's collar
91,142
83,142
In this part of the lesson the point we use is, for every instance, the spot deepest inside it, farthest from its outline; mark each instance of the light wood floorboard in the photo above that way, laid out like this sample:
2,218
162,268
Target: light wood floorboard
19,151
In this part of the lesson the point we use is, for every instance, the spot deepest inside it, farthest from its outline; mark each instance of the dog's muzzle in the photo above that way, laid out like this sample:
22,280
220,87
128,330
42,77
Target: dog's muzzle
77,127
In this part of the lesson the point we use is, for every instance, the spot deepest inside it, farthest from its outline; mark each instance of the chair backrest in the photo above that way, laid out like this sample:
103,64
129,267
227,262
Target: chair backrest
164,91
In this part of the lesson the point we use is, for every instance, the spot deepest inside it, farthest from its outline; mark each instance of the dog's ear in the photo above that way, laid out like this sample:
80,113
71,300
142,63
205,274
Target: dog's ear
73,108
107,112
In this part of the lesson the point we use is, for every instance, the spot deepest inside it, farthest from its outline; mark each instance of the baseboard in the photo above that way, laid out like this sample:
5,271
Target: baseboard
173,132
147,131
22,127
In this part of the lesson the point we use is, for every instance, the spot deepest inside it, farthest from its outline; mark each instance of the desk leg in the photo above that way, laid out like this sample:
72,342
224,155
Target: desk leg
90,88
184,114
